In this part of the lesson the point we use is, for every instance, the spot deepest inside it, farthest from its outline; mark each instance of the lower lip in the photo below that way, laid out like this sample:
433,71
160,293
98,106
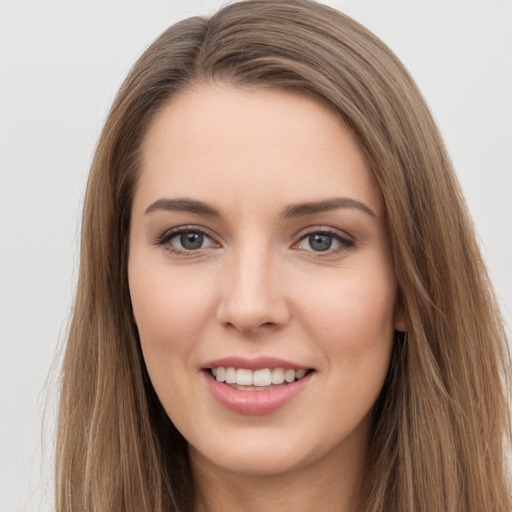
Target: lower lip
255,402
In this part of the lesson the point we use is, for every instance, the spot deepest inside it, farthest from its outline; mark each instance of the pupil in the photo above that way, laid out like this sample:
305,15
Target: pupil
320,242
191,241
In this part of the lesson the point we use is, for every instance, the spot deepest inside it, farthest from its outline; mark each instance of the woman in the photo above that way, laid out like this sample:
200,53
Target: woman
281,303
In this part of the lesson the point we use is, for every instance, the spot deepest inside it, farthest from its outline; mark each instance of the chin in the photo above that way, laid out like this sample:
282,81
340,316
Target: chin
254,461
279,448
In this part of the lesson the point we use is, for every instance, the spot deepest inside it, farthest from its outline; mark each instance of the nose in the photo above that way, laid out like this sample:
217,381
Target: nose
252,293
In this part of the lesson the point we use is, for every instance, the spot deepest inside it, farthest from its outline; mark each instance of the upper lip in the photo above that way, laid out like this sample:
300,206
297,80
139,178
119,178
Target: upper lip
257,363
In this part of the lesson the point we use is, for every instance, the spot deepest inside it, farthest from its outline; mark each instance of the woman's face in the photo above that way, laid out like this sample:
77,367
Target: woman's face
258,252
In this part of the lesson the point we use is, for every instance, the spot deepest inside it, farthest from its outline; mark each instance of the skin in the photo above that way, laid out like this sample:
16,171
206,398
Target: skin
257,286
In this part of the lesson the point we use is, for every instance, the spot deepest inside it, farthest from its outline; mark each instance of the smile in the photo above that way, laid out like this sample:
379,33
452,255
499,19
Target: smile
256,386
256,380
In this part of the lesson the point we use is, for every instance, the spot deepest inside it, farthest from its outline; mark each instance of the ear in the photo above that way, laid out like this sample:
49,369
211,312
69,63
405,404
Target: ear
134,318
400,318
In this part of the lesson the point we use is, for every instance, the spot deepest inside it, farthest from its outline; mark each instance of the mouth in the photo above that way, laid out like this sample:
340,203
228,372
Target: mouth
245,379
256,386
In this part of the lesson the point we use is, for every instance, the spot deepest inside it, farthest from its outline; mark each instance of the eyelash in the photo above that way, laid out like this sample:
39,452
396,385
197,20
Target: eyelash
163,240
345,242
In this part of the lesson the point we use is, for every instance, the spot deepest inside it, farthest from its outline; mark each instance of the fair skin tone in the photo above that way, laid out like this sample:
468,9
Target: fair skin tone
258,232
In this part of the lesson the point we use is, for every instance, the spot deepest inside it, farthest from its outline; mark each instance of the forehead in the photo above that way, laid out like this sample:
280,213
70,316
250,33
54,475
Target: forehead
237,143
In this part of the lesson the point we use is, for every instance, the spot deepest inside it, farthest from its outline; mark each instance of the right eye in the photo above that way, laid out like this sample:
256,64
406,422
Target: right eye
185,240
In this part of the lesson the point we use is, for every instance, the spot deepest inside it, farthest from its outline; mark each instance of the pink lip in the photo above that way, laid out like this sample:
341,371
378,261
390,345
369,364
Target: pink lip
255,402
254,364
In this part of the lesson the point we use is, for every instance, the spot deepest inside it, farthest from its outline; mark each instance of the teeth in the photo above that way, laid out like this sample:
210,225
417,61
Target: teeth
221,374
277,376
263,378
300,373
244,377
289,375
230,376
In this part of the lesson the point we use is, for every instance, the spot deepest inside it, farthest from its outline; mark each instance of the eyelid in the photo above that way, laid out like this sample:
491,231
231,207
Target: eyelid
345,240
171,233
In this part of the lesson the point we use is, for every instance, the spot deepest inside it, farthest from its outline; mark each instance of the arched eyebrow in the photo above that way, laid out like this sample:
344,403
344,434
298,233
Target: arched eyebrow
291,211
335,203
183,205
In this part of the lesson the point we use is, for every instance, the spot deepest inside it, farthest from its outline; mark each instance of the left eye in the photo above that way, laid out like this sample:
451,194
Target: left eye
323,242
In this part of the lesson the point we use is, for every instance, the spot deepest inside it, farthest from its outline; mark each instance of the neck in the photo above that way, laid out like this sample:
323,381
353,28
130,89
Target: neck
331,484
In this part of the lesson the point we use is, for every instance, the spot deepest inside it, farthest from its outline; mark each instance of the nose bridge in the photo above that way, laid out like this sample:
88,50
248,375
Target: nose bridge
252,292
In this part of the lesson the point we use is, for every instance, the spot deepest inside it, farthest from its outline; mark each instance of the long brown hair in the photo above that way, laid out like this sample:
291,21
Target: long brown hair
442,420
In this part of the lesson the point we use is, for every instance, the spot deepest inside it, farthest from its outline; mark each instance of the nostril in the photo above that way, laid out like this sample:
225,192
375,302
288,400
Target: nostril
249,325
252,306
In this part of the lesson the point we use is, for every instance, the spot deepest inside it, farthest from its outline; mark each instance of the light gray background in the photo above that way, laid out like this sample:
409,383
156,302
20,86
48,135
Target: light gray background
61,63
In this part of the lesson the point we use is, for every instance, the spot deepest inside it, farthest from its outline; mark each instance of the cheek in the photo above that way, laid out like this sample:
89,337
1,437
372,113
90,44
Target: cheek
170,311
354,312
169,308
351,321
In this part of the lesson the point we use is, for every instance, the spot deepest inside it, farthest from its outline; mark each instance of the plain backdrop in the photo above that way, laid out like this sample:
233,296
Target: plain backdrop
61,63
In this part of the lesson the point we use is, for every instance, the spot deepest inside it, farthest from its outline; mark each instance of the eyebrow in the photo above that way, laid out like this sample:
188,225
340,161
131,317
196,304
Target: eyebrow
335,203
183,205
291,211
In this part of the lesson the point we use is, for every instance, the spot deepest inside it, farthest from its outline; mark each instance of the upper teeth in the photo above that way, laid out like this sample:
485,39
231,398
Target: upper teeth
263,377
